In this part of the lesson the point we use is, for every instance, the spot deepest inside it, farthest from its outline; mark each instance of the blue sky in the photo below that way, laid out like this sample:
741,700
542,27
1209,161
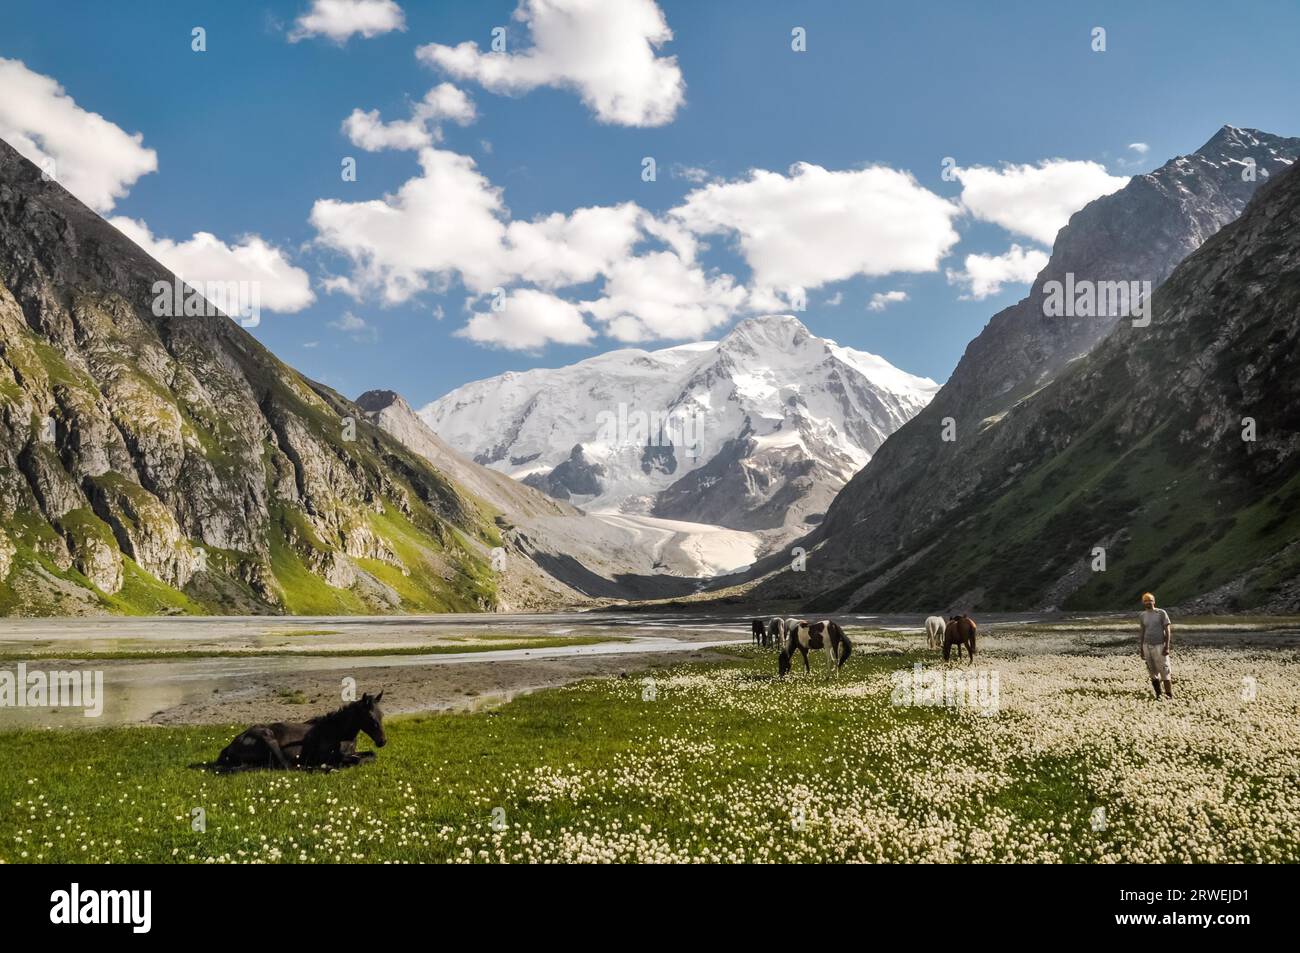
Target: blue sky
249,138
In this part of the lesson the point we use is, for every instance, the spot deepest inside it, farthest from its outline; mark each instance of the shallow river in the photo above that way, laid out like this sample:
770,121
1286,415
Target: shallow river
256,685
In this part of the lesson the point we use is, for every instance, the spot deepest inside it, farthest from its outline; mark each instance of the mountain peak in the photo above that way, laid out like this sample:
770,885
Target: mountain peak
753,433
782,331
1233,144
1230,136
373,401
771,321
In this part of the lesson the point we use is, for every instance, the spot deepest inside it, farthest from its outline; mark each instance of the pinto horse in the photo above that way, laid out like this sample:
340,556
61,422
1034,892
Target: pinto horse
959,631
825,635
325,741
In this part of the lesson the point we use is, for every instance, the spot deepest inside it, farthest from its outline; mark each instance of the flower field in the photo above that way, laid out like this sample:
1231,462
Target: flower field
721,762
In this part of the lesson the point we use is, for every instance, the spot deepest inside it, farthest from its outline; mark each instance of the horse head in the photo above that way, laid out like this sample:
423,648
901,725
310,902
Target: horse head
372,718
783,663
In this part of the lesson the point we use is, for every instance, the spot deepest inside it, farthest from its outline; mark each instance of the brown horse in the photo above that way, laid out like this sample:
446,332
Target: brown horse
325,741
959,631
758,629
819,635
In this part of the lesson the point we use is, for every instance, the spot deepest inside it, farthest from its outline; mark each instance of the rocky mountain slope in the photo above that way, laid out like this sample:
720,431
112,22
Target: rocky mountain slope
172,464
554,554
918,483
755,432
1174,448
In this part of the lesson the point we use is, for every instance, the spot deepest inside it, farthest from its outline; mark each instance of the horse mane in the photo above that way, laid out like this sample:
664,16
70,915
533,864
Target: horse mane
335,715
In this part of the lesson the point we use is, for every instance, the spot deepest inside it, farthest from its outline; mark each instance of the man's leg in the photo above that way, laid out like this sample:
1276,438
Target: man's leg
1150,656
1168,676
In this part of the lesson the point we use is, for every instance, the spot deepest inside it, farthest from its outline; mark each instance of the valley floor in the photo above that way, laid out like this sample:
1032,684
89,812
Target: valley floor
1050,750
705,550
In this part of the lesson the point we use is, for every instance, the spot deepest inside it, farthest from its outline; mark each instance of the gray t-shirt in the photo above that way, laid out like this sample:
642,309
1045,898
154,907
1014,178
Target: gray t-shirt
1153,625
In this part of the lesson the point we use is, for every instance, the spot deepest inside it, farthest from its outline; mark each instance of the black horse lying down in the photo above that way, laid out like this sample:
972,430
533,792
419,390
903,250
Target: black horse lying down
325,741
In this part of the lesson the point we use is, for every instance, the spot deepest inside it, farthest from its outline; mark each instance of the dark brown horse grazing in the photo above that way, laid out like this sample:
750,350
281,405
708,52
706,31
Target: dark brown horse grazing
959,631
758,628
819,635
325,741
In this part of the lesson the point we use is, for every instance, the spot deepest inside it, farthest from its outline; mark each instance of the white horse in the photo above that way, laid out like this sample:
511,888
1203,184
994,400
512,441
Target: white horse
934,629
775,631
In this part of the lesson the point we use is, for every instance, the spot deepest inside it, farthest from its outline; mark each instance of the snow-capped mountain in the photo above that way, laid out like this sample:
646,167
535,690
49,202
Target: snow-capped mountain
754,432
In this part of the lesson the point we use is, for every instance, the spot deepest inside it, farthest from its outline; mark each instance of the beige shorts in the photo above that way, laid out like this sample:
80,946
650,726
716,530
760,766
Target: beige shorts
1157,661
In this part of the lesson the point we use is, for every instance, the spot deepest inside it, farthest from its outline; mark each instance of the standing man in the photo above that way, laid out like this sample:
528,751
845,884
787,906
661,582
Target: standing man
1153,644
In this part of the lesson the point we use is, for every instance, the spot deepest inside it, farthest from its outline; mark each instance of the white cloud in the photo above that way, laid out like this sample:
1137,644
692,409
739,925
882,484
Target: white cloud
356,327
529,320
691,173
368,131
446,101
660,296
339,20
1035,200
450,222
766,300
605,50
883,299
205,258
444,222
342,284
571,249
985,275
1141,148
835,300
815,226
91,157
443,102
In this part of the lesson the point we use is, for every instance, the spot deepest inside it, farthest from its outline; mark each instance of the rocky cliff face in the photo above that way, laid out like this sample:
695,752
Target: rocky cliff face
918,483
164,464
